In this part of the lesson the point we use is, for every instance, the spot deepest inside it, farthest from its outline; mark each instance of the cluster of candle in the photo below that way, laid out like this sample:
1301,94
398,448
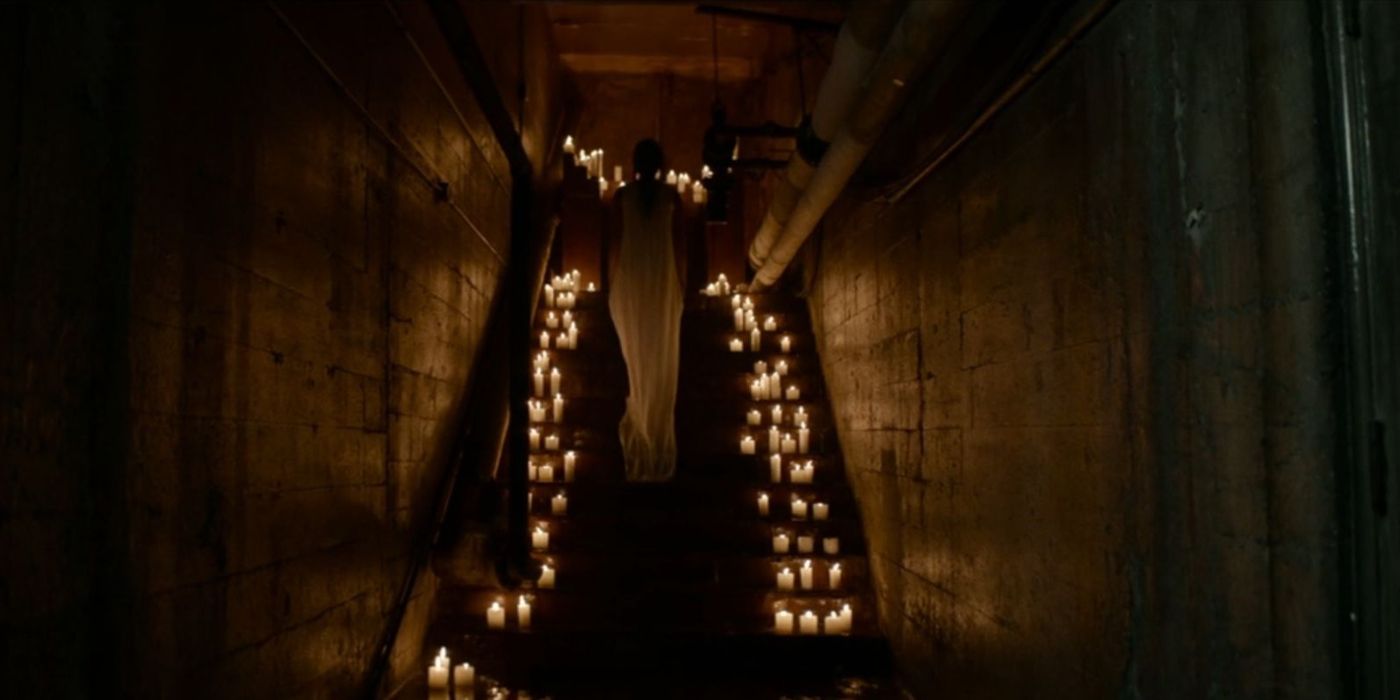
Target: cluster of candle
496,614
463,675
540,413
561,293
805,577
550,442
682,181
717,288
836,622
802,472
546,472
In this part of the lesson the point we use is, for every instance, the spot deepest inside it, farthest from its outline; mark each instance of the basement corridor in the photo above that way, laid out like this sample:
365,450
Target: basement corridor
1025,349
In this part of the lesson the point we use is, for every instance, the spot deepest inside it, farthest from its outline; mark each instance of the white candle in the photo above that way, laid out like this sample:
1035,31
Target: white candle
780,543
820,511
463,676
551,442
573,336
534,470
746,445
496,616
735,301
711,290
437,673
807,575
750,322
782,622
569,145
568,319
793,393
803,438
799,509
833,623
736,345
808,623
570,461
748,303
789,445
537,411
753,340
775,386
760,367
804,544
559,505
671,177
558,408
549,296
774,444
551,321
591,287
777,414
562,343
542,361
539,383
546,473
755,417
756,390
539,539
800,416
617,173
765,387
763,504
786,344
602,185
544,339
775,469
846,618
739,320
782,368
831,545
534,439
522,613
546,576
554,380
769,324
785,579
833,576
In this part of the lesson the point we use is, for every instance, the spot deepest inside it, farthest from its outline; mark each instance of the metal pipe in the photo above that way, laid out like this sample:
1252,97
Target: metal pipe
857,47
921,33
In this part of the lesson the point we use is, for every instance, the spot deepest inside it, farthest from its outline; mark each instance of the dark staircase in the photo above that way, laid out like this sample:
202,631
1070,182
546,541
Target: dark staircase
670,589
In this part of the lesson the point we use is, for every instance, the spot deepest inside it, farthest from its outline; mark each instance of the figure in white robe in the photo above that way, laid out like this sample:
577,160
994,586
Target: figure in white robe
645,298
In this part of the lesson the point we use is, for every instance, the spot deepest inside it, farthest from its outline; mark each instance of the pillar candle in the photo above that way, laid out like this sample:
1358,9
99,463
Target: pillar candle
807,575
558,408
793,393
568,319
769,324
833,576
534,470
846,618
753,340
539,383
800,416
775,386
551,320
562,343
735,300
748,303
573,336
739,320
437,673
549,296
736,345
786,344
780,543
569,145
546,473
832,624
785,579
570,461
617,173
777,414
764,388
820,511
831,545
537,411
546,576
746,445
542,361
782,622
530,500
803,438
463,677
808,623
554,380
671,178
755,417
534,439
782,368
760,367
799,509
775,469
522,613
804,544
591,287
750,321
544,339
496,616
551,442
756,390
539,539
763,504
774,444
789,445
559,505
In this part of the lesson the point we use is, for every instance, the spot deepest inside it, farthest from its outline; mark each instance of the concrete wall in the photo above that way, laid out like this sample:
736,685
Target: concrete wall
1084,376
245,324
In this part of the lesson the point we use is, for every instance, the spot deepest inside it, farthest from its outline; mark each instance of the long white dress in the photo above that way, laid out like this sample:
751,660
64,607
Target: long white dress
646,303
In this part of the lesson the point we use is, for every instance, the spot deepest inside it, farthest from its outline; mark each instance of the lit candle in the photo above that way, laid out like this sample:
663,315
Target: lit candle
746,445
559,505
800,416
777,414
573,336
539,383
785,579
774,444
567,319
463,677
671,178
763,504
786,344
551,321
542,361
820,511
755,417
760,367
804,544
846,618
569,145
544,339
537,411
803,438
769,324
748,303
534,470
775,469
782,368
602,185
807,575
546,473
739,320
534,439
833,623
808,623
756,391
789,445
570,460
551,442
563,341
539,539
558,408
782,622
735,301
554,379
617,173
793,394
549,296
750,323
753,340
833,575
736,345
591,287
799,509
496,616
764,386
546,576
522,613
780,543
698,194
831,545
437,673
775,386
